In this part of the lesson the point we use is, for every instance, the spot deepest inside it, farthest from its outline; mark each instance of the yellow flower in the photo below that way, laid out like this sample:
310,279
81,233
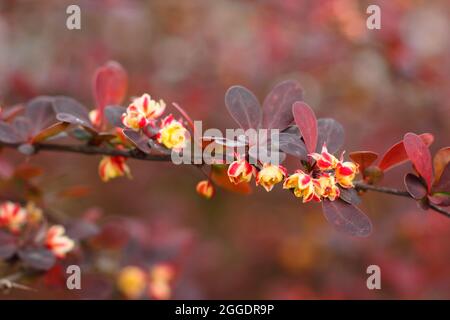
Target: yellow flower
205,189
131,282
326,187
345,173
172,134
12,216
304,186
270,175
57,242
113,167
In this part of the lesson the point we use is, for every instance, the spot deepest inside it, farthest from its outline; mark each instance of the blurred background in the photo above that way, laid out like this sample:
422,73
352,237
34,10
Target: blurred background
378,83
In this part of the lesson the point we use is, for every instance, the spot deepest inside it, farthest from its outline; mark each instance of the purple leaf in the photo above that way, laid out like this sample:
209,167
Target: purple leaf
23,127
306,122
277,107
37,258
293,145
8,133
350,196
114,115
420,156
71,111
139,140
8,245
82,229
243,107
330,132
414,186
41,114
347,218
293,129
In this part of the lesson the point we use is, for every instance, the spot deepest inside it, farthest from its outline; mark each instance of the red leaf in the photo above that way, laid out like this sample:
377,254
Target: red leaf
440,161
307,124
110,85
363,158
420,156
51,131
396,155
347,218
443,185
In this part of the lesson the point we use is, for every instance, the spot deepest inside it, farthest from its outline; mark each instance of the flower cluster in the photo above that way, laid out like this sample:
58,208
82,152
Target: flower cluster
142,114
323,180
144,111
133,282
15,218
241,171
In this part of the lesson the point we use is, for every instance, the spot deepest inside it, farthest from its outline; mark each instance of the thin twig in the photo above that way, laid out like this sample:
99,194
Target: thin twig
365,187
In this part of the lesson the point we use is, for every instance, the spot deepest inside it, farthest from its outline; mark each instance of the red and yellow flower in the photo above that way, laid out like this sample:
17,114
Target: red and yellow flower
270,175
142,110
240,171
58,242
303,185
326,187
161,277
205,188
345,173
324,159
173,134
111,167
12,216
131,282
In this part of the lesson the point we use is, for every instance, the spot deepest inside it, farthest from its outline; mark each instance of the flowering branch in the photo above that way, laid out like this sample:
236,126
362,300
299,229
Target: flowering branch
138,155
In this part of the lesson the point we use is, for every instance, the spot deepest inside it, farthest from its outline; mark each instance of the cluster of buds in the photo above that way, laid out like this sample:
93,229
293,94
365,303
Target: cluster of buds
323,182
14,218
133,282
